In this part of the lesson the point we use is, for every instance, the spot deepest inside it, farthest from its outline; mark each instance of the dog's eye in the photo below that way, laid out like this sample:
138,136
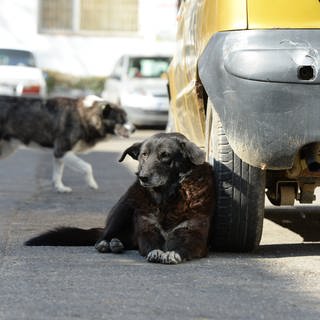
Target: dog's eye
165,156
144,155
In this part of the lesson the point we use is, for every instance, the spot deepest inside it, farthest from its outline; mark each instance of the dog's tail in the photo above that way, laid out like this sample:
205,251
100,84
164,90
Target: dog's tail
67,236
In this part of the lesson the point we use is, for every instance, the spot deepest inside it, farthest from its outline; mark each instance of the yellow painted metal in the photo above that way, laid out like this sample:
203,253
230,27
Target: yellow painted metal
198,20
187,110
266,14
221,15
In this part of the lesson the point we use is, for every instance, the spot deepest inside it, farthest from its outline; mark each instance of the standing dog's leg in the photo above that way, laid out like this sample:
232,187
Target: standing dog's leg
79,165
58,166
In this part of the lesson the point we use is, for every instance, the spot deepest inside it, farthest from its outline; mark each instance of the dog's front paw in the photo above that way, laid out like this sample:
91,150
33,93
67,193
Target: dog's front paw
168,257
116,245
171,257
155,256
102,246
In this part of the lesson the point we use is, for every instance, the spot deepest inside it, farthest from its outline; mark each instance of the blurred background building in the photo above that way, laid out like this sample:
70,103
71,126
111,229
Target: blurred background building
85,37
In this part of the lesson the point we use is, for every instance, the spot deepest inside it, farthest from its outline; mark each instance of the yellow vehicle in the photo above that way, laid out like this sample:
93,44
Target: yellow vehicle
245,85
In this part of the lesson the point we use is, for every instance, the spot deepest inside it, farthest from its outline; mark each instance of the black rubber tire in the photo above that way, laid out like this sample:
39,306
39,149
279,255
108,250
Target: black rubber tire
240,193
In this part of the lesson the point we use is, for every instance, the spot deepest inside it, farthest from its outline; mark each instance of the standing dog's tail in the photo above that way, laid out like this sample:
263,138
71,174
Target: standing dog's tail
67,236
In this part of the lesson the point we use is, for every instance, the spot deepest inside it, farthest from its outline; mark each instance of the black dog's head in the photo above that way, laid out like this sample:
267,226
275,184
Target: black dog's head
164,158
116,121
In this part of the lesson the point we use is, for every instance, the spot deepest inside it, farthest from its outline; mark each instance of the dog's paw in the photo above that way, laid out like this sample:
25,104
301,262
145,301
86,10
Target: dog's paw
93,184
62,188
116,245
102,246
168,257
155,256
171,257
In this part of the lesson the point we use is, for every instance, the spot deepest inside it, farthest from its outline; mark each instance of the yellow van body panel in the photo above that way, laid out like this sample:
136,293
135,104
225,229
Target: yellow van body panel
197,22
283,14
221,15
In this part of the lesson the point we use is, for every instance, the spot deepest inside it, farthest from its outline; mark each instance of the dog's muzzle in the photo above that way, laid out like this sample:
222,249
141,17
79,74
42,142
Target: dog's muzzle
124,130
144,181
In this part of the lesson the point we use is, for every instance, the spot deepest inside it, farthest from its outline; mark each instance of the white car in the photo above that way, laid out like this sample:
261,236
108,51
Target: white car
138,84
19,75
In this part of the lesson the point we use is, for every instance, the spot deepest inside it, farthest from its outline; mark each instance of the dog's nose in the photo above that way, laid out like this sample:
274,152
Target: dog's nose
130,127
144,179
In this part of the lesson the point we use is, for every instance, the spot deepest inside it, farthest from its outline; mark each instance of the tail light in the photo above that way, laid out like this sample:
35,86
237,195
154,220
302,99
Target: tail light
33,90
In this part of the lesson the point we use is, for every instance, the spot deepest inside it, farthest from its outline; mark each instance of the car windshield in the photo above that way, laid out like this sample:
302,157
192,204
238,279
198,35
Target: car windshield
148,67
11,57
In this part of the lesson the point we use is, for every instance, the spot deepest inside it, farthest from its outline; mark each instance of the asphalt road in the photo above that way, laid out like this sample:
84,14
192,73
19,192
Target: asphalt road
280,281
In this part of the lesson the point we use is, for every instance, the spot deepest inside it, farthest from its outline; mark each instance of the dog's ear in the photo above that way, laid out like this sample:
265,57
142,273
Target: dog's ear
132,151
106,108
193,152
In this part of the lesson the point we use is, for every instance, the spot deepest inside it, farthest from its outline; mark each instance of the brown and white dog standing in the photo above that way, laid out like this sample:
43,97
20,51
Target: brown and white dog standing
166,214
66,125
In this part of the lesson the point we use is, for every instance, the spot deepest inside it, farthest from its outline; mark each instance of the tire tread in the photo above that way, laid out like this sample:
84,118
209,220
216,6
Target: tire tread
240,197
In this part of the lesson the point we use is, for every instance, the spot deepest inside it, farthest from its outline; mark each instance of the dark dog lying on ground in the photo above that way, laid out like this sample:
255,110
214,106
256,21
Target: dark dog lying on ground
166,214
66,125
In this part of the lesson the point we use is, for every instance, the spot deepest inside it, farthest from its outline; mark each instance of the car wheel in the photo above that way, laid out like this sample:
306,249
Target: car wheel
240,191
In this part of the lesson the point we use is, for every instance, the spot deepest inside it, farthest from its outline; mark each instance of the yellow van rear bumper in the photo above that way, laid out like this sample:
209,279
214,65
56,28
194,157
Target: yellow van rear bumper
265,86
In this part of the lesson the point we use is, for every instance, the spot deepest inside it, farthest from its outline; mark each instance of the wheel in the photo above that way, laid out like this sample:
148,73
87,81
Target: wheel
240,191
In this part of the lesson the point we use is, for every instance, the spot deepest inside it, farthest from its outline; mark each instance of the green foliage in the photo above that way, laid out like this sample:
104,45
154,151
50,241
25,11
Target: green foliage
57,81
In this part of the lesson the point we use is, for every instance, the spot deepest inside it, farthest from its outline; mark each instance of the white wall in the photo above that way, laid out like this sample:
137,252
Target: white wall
86,56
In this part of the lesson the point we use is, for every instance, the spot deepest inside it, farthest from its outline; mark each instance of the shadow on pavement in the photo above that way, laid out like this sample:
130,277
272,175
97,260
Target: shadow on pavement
304,221
289,250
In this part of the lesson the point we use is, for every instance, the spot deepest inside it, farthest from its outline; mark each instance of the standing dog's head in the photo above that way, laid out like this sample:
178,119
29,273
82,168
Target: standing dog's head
114,119
164,158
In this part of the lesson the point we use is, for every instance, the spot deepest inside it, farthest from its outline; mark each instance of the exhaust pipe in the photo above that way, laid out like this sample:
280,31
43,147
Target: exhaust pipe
306,72
312,156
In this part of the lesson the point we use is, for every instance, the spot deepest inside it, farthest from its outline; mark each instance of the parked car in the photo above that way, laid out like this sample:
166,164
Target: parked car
138,83
19,75
245,85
